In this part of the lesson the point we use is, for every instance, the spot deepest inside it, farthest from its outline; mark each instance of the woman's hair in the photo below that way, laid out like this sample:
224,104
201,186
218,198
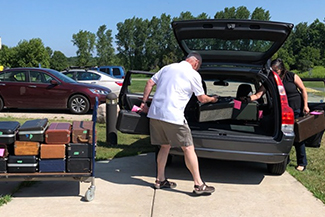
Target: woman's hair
278,63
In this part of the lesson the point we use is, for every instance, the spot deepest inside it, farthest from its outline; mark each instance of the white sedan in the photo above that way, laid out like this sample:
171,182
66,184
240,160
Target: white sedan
95,77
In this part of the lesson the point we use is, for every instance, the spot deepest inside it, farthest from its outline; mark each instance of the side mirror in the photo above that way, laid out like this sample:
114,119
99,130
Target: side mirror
54,82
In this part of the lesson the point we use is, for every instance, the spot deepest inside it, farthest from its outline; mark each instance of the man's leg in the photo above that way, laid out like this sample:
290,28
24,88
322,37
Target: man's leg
161,161
192,163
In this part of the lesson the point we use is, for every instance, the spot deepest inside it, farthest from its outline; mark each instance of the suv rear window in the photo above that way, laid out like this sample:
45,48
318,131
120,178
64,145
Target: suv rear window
209,44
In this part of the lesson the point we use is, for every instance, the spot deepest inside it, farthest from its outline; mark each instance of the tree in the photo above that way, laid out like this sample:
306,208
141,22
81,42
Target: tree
260,14
131,39
85,41
49,51
104,46
160,46
243,13
307,57
227,13
316,39
58,61
31,53
6,56
298,40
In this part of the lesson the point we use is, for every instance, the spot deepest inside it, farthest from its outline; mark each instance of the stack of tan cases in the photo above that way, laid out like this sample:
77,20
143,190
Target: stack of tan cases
79,151
38,146
53,151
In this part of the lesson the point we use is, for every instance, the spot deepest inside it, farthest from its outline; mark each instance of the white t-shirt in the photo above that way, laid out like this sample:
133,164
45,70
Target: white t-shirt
175,85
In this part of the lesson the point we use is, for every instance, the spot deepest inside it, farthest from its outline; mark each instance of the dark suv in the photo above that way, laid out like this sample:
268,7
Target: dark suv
236,56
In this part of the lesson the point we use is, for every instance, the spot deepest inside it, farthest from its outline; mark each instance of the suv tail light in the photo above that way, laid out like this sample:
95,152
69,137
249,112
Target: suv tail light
287,115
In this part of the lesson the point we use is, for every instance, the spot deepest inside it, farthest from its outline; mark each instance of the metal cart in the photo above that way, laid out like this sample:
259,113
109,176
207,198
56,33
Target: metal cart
82,177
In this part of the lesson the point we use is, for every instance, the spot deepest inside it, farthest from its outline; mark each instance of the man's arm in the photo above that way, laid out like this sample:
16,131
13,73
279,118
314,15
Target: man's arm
147,90
205,98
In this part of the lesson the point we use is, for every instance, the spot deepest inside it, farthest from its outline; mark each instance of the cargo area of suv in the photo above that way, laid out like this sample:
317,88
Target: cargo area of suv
236,56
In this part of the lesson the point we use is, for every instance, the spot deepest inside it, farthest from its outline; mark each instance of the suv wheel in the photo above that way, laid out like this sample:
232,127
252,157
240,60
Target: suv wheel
78,104
279,168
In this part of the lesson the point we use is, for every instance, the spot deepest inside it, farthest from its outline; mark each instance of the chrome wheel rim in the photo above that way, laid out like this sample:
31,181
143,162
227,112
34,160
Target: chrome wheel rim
78,105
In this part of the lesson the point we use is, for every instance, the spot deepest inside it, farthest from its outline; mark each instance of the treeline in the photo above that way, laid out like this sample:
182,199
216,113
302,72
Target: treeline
145,44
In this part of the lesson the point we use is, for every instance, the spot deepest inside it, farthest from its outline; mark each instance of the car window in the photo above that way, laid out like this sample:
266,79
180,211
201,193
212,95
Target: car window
61,76
40,77
47,78
228,89
116,71
69,74
106,70
138,82
227,44
15,76
87,76
35,77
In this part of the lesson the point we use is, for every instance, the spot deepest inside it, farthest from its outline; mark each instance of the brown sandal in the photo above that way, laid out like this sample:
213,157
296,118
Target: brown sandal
164,184
203,189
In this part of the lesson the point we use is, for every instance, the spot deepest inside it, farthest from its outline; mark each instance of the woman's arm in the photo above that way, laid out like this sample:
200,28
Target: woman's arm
258,94
298,82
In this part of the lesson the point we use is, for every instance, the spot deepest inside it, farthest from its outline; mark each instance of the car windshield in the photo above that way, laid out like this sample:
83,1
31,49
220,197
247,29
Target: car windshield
213,44
61,76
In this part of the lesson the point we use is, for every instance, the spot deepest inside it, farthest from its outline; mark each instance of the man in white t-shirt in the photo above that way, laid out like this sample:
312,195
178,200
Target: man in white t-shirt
168,127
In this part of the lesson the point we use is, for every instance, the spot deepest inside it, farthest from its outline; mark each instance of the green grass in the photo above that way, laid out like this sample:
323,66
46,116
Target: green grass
316,72
138,85
313,178
313,84
5,199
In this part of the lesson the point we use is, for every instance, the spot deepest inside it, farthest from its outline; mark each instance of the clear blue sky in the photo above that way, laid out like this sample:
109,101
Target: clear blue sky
55,21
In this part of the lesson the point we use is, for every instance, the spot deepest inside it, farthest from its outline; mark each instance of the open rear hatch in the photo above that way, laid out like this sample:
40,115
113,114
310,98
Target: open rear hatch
231,41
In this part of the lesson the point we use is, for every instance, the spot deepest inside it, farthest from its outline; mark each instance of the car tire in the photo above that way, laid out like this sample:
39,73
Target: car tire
279,168
78,104
1,104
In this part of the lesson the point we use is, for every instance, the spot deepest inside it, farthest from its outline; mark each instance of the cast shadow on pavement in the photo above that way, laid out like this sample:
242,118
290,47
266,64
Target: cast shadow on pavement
44,189
140,170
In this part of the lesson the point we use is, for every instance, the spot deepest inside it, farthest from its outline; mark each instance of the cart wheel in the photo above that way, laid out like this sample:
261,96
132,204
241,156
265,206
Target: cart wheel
90,194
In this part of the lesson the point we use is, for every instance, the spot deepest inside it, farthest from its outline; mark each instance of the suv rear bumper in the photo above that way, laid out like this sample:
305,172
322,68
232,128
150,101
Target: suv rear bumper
270,153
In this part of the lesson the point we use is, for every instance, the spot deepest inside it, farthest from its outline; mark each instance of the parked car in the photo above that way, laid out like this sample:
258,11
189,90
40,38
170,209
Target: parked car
236,56
114,71
95,77
47,89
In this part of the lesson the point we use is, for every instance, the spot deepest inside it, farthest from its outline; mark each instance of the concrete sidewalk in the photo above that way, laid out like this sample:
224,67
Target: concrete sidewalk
123,188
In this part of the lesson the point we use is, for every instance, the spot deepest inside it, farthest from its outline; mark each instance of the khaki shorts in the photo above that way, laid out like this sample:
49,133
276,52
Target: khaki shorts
163,133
